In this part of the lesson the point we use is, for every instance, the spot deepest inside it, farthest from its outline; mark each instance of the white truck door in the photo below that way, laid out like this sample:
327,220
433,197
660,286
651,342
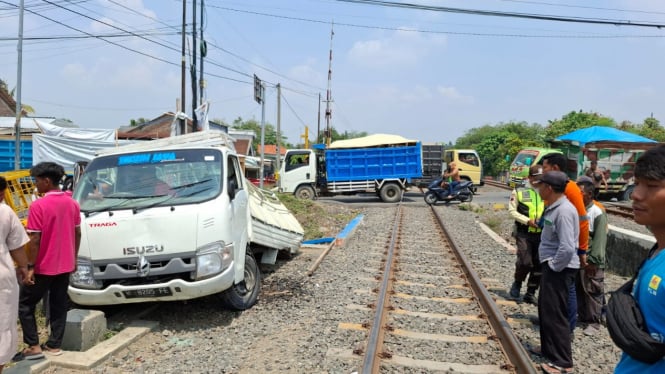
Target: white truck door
299,167
239,201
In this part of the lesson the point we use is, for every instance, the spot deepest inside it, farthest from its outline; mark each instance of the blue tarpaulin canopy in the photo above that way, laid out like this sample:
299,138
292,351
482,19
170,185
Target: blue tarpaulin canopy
601,134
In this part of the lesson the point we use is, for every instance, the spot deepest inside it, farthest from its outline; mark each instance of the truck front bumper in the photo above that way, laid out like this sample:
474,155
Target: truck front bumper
176,289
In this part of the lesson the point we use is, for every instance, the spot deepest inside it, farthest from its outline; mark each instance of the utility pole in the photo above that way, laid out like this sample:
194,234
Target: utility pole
204,52
329,94
318,120
279,125
263,131
192,69
19,108
183,122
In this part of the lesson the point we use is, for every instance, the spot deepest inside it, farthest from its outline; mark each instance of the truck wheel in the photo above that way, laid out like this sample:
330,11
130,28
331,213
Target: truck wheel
243,295
391,193
628,193
305,193
430,198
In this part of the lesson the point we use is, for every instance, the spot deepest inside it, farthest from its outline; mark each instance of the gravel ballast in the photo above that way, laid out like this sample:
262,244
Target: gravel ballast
295,326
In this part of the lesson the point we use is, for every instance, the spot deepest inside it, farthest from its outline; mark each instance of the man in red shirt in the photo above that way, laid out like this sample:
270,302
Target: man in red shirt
55,234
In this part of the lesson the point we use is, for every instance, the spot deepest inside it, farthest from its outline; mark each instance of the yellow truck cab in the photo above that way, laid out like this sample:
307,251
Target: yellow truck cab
468,162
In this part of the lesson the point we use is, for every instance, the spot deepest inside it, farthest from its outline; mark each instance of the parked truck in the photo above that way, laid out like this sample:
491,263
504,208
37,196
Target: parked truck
615,152
384,164
175,219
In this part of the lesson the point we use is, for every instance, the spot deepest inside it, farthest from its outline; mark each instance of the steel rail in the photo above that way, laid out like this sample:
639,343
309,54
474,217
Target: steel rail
372,361
512,347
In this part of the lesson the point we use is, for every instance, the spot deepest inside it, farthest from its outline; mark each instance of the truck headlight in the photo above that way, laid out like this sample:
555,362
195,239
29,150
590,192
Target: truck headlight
83,277
213,258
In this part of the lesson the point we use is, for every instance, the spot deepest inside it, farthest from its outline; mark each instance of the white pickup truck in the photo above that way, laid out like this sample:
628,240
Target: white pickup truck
175,219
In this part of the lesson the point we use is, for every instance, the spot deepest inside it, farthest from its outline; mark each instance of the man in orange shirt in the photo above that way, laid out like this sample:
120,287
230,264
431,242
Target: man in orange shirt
557,161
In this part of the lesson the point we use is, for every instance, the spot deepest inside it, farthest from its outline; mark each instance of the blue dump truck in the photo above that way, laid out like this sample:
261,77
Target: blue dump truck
384,164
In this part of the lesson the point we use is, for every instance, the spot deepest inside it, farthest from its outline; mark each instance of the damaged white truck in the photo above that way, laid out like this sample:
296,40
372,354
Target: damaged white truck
175,219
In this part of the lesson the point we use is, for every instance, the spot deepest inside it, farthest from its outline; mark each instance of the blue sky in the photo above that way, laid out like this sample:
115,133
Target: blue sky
465,72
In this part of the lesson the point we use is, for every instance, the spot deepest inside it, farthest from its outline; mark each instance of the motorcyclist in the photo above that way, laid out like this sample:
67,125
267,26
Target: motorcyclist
452,175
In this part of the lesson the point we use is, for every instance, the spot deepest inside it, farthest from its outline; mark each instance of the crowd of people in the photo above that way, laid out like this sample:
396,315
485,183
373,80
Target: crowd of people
561,238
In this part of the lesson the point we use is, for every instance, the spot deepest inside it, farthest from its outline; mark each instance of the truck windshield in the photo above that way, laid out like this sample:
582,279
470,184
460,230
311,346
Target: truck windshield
522,158
150,179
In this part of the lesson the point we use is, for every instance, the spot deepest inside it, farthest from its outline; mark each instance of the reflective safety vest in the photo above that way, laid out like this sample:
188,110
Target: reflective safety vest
530,204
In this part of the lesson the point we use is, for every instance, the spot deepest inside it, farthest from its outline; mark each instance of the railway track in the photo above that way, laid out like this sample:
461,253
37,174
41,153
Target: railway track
430,310
611,208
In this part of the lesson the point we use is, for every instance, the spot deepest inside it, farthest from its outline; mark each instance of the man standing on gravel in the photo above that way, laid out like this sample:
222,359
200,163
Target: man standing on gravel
560,263
557,161
55,235
526,207
590,280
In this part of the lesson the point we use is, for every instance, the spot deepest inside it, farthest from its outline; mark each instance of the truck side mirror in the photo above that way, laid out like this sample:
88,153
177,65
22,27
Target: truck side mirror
232,187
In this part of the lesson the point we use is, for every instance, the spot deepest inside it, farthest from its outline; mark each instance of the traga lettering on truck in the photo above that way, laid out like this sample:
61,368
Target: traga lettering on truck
143,249
103,224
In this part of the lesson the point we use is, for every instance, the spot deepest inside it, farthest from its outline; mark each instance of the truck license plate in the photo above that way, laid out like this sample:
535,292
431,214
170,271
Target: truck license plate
148,292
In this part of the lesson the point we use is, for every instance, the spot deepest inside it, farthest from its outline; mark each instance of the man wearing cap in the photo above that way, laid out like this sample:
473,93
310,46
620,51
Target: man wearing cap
557,161
560,263
526,207
590,280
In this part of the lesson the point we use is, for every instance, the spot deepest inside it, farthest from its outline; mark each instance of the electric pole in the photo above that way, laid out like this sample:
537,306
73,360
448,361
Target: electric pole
279,125
329,94
192,69
183,121
204,52
19,107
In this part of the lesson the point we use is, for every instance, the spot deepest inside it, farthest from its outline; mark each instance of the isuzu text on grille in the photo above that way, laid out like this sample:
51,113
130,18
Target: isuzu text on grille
143,250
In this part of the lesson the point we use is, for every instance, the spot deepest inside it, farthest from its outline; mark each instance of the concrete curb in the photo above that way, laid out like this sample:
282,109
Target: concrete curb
90,358
343,236
497,238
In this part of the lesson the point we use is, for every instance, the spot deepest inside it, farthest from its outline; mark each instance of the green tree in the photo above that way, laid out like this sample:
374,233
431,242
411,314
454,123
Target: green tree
493,143
137,122
269,136
575,121
652,129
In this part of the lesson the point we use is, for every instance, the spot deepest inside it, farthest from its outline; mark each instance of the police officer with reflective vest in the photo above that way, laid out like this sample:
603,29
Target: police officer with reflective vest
526,207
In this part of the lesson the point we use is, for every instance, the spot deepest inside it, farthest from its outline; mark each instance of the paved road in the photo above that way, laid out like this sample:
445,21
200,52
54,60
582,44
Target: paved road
485,195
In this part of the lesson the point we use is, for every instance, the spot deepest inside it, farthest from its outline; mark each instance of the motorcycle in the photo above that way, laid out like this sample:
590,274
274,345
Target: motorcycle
463,192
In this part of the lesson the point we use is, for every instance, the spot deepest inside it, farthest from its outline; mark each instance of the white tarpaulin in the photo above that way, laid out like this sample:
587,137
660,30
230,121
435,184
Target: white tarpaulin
76,133
375,140
65,151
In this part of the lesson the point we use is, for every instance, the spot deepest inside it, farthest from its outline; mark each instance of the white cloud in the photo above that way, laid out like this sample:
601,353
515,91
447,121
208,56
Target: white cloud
400,49
453,94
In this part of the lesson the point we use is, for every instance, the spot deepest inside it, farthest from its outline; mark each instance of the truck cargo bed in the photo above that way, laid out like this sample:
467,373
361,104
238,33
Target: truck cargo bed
394,162
273,225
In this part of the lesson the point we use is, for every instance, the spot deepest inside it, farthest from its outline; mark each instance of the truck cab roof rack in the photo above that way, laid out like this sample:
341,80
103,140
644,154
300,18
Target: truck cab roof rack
195,139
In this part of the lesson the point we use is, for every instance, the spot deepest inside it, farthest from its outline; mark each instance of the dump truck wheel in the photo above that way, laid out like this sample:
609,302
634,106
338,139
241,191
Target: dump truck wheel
243,295
305,193
391,193
628,193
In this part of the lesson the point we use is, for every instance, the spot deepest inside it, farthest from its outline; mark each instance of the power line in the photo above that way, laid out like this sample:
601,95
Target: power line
292,110
458,33
532,16
584,7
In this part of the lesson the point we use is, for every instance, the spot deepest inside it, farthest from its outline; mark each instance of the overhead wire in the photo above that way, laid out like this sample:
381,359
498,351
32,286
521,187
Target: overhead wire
443,32
493,13
292,110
